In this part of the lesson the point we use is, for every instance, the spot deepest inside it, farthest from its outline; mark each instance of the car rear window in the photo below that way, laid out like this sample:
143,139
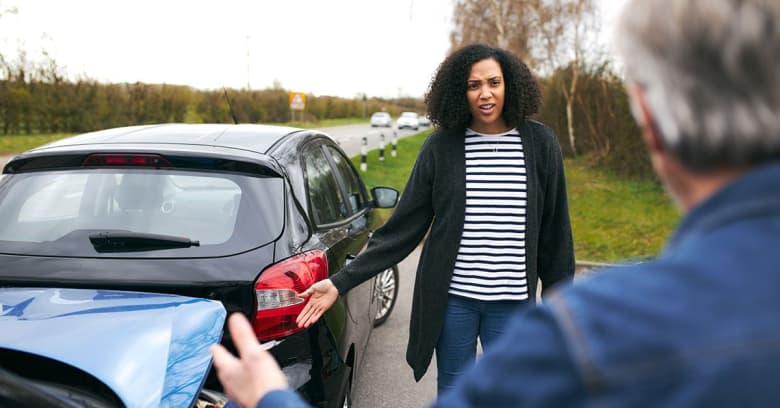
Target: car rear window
54,212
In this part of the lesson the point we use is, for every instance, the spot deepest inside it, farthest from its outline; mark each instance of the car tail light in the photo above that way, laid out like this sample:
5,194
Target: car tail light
278,304
126,160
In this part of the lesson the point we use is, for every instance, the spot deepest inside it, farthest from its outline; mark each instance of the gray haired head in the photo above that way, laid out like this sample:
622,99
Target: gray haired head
710,71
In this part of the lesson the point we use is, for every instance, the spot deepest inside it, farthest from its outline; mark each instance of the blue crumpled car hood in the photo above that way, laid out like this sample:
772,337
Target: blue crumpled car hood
150,349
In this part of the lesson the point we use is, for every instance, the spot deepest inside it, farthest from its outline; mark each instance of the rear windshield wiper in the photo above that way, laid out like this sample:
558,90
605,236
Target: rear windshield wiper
137,241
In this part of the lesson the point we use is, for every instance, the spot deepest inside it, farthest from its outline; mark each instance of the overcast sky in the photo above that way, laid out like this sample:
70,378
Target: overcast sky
384,48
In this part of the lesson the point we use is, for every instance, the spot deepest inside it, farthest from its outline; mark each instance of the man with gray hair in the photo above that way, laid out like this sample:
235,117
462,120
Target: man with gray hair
699,326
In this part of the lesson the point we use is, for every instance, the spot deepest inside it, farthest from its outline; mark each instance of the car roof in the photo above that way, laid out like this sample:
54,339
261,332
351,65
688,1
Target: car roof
235,142
255,138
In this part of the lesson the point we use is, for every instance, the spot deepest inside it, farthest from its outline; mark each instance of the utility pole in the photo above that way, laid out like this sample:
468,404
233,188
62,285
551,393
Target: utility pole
248,71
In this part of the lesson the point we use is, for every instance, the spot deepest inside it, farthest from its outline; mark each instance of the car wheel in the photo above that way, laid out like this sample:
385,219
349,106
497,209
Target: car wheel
387,292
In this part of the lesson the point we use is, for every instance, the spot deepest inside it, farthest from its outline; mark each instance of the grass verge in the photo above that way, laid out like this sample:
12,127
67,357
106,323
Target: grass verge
615,219
13,144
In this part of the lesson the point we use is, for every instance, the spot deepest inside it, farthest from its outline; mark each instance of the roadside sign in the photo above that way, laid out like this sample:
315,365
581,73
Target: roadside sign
297,100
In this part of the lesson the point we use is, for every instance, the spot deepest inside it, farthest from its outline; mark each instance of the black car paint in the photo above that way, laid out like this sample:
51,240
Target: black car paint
333,347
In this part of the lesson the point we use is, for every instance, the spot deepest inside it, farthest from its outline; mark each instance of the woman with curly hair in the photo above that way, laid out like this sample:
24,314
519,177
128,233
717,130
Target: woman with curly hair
488,190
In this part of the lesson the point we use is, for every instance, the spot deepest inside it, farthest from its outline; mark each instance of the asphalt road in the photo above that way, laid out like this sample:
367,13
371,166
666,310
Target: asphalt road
350,137
385,380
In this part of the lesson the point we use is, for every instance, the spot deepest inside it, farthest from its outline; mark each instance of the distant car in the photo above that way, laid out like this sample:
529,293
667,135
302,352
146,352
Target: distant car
424,121
236,218
381,119
408,120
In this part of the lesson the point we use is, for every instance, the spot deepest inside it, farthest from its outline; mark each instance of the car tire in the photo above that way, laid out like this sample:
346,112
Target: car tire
387,293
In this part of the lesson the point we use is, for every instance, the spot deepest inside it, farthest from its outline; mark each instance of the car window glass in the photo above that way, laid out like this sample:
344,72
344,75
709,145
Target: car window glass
351,182
64,190
51,212
198,207
327,205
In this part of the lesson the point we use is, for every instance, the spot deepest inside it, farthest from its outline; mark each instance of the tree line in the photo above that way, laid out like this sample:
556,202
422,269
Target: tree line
584,100
38,98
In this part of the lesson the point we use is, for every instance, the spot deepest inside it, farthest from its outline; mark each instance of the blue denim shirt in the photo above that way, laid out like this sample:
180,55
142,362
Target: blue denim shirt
700,326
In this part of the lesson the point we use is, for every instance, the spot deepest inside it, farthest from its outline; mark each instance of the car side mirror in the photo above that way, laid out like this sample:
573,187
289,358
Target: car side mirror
385,197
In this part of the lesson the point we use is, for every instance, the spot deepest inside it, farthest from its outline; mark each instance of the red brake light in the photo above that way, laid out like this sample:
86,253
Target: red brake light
125,160
276,293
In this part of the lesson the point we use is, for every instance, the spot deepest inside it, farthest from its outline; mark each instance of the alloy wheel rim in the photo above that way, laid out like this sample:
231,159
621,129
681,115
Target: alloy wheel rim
385,290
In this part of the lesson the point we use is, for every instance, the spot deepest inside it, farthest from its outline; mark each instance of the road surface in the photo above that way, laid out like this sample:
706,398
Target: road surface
385,380
350,137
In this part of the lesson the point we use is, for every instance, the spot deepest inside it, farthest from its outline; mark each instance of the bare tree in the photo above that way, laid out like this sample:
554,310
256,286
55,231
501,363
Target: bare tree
497,22
7,10
562,29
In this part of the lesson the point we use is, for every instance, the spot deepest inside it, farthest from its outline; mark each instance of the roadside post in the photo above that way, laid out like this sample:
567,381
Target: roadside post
363,153
394,142
382,147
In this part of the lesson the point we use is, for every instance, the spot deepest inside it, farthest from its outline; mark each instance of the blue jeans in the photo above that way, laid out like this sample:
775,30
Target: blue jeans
465,321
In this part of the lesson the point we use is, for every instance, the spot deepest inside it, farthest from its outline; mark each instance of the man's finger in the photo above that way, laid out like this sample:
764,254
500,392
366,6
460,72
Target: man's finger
242,334
222,358
306,293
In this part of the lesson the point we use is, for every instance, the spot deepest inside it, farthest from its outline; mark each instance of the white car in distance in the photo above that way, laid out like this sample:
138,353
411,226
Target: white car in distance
381,119
408,120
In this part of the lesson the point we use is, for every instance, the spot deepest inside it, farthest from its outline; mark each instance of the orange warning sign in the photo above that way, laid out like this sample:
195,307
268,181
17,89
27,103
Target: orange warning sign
297,100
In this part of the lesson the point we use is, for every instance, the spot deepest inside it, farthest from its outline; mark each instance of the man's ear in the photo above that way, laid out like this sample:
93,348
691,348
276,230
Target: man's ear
645,118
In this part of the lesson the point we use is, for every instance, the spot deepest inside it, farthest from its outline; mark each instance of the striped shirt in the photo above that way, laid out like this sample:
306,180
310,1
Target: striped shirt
491,261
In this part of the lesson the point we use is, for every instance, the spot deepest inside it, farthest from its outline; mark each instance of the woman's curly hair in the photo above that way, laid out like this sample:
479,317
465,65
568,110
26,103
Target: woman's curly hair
447,106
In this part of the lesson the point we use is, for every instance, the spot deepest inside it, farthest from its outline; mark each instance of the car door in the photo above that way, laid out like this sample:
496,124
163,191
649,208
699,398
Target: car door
360,224
341,225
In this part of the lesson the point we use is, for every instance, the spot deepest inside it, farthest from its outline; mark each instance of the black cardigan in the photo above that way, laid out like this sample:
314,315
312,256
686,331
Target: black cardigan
435,197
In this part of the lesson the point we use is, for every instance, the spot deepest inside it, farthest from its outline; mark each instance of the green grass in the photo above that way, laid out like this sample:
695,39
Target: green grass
18,143
612,219
615,219
393,171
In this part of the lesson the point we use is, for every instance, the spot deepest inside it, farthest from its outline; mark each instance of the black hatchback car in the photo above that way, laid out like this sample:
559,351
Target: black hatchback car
248,215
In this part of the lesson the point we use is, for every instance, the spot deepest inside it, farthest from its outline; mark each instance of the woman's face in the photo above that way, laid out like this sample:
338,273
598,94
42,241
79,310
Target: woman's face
485,93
